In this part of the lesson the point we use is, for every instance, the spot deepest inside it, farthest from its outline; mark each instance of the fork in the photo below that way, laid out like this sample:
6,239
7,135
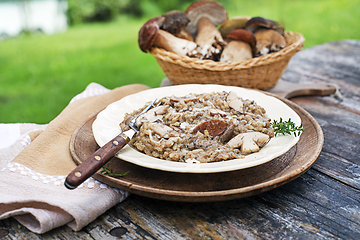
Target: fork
99,158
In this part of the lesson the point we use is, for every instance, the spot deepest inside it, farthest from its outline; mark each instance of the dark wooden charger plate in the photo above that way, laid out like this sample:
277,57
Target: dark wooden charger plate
195,187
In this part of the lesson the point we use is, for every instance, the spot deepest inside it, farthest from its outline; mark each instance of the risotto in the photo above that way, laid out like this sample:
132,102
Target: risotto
205,127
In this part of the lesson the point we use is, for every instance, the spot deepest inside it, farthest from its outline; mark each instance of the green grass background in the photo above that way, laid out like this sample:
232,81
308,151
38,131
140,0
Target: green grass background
39,74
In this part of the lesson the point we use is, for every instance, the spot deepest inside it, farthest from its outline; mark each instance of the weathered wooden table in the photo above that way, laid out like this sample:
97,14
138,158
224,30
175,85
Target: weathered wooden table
323,203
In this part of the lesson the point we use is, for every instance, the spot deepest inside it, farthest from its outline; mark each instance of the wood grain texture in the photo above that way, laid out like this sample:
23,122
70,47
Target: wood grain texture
323,203
336,63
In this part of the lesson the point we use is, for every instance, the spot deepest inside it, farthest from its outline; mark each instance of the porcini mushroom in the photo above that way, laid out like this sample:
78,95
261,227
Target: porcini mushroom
241,46
233,23
268,34
204,17
249,142
175,23
150,34
268,41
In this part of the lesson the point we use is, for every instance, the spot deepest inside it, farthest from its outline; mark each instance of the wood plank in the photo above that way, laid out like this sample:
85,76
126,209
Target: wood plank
339,157
340,120
312,205
328,62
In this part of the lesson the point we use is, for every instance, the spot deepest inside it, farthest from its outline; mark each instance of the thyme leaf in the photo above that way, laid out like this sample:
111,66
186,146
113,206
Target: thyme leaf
106,170
287,127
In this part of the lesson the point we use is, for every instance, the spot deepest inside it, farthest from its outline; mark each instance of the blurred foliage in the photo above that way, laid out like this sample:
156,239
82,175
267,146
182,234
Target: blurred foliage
80,11
166,5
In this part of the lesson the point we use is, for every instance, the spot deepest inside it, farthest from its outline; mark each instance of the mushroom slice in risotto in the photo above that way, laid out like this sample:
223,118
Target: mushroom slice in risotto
213,127
163,130
235,102
152,115
188,98
249,142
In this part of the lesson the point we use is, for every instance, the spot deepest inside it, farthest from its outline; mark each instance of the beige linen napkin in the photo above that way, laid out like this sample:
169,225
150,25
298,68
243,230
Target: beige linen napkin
34,167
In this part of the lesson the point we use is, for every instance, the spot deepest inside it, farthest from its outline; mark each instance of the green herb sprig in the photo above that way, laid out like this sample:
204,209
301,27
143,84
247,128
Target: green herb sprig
287,127
106,170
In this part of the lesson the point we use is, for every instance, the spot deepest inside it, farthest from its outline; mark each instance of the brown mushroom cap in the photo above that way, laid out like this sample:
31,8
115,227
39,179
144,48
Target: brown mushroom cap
214,11
232,24
245,36
257,23
148,32
174,21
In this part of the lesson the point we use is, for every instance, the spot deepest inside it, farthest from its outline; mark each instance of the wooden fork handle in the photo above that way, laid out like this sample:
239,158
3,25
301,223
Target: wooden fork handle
97,160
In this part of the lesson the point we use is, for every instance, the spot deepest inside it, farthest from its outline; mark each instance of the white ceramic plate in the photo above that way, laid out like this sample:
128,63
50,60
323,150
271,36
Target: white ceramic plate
106,127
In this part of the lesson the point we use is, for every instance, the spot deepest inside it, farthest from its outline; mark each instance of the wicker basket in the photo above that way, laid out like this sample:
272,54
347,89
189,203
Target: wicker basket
260,73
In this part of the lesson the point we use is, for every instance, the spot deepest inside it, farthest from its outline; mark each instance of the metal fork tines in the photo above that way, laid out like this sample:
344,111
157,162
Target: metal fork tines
132,124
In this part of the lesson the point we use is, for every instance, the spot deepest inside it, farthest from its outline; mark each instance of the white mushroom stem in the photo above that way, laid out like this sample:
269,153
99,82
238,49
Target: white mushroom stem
236,51
174,44
249,142
184,35
207,34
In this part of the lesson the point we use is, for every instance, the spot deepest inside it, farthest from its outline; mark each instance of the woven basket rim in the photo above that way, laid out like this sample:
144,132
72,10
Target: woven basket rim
188,62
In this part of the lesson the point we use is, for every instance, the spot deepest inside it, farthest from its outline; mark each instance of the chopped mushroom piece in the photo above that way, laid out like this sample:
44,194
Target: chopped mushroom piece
188,98
150,35
228,133
235,102
152,115
163,130
249,142
175,23
213,127
159,110
215,111
241,46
